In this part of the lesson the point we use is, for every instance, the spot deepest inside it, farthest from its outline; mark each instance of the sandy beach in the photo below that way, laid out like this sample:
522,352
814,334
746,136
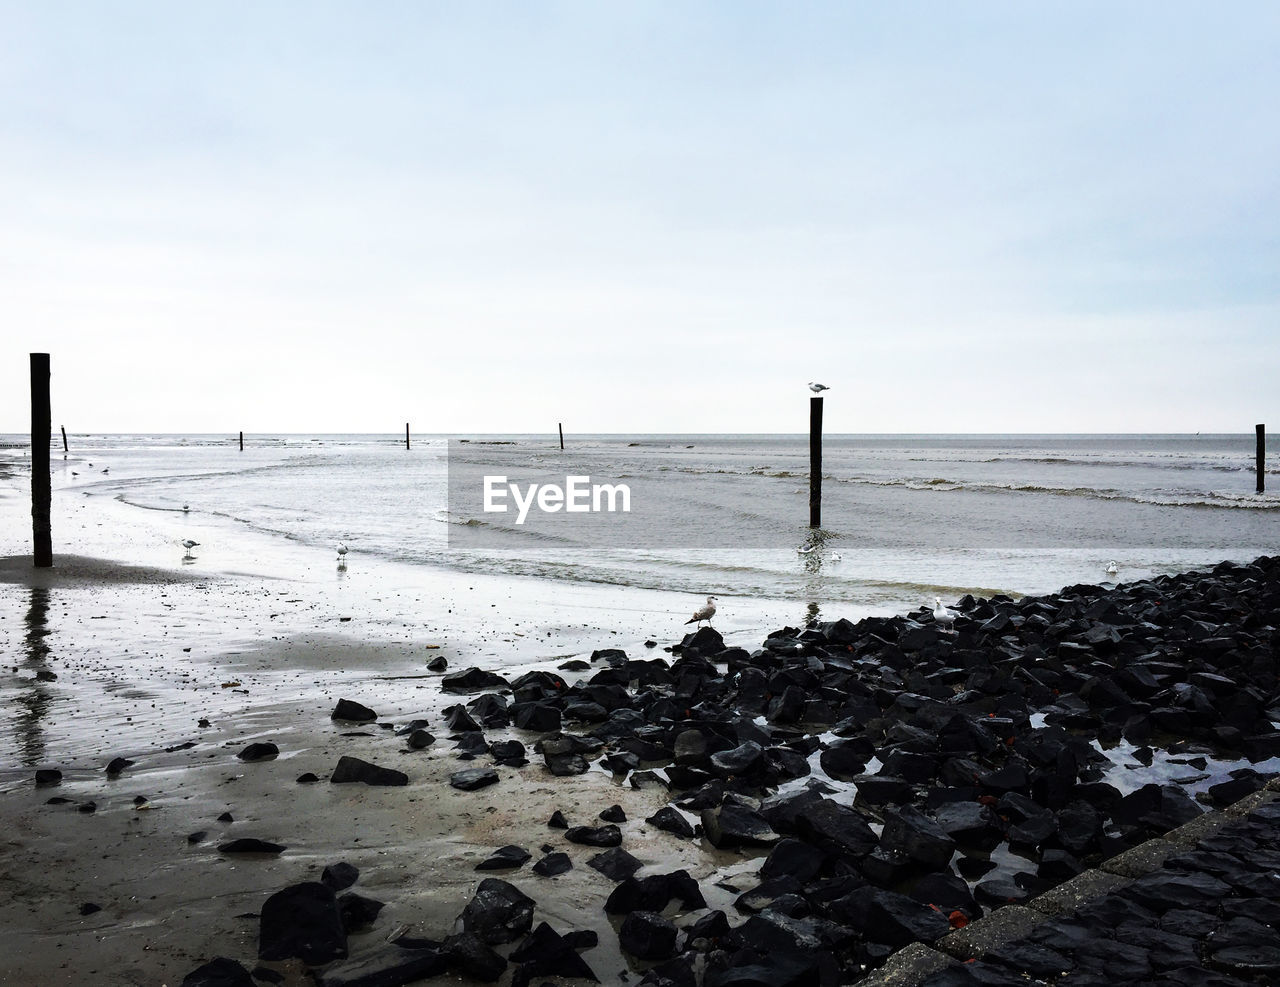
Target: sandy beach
146,653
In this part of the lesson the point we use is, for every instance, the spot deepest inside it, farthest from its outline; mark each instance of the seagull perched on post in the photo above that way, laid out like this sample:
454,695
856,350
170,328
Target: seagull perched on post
818,388
704,613
188,544
943,617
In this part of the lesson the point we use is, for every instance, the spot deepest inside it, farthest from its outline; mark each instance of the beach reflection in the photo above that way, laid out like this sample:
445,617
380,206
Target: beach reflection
34,699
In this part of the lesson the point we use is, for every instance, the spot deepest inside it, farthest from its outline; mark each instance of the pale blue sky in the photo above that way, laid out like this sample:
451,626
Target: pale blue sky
641,216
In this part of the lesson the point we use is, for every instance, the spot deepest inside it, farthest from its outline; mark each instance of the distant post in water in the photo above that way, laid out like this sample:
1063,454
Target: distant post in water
64,438
561,424
406,435
815,462
41,491
242,442
1262,457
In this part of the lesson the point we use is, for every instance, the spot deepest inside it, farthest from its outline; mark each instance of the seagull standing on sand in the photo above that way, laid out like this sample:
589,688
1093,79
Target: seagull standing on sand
188,544
704,613
342,552
943,617
818,388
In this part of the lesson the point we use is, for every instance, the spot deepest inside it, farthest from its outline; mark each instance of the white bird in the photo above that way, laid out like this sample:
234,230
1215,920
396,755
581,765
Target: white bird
704,613
342,552
188,544
1112,568
818,388
943,617
186,508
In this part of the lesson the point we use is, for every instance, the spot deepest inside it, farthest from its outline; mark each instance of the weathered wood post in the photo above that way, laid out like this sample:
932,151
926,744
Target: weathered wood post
242,442
1262,456
406,435
64,438
815,462
41,491
561,424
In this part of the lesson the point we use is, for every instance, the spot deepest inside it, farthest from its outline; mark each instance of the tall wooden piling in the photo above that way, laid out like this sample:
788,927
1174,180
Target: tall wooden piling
406,435
1262,456
815,462
242,442
41,490
561,424
64,439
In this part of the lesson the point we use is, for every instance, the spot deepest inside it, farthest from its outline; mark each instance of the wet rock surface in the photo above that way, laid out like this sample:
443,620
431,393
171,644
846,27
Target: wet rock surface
898,779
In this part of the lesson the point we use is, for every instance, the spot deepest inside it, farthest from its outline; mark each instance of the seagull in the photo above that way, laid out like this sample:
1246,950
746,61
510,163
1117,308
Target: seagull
943,617
704,613
818,388
186,508
342,552
188,544
1112,568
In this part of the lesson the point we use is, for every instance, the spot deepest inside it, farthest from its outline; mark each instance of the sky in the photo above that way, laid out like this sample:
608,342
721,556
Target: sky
641,216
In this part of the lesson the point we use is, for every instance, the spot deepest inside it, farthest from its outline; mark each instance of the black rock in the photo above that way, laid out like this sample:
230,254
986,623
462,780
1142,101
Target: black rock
302,921
438,664
387,968
731,825
890,918
473,778
648,936
357,911
352,769
917,837
117,765
614,814
601,836
670,820
473,680
459,719
48,776
472,957
615,864
546,953
251,845
553,864
353,711
89,907
307,778
538,717
558,821
420,739
340,876
498,912
835,828
509,752
198,836
263,751
505,858
219,972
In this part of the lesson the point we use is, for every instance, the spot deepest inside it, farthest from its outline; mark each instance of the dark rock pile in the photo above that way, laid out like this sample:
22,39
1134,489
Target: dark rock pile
941,751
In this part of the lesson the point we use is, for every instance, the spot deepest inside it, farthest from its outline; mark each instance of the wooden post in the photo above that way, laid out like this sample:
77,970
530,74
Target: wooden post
406,435
815,462
242,442
64,439
41,491
1262,456
561,424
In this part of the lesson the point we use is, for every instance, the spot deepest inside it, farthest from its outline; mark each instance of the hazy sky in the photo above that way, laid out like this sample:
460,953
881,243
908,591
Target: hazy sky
639,217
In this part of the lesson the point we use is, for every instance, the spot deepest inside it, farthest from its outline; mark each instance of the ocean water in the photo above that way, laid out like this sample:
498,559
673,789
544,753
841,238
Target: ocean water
905,517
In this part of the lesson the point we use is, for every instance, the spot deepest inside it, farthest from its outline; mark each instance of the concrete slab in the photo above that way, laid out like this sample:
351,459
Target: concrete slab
1143,859
1001,926
908,967
1070,895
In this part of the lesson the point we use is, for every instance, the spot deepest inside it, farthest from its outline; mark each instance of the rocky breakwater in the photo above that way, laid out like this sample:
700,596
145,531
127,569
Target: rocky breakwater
895,778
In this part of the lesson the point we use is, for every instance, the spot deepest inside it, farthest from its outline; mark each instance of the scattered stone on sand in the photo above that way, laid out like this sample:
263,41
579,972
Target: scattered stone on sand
260,751
89,907
505,858
219,972
601,836
352,711
648,935
437,664
249,844
498,913
470,779
117,765
303,921
340,876
553,864
615,864
48,776
308,778
473,680
358,912
352,769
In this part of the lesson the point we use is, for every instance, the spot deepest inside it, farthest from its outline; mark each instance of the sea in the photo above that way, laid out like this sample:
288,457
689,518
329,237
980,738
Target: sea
904,518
